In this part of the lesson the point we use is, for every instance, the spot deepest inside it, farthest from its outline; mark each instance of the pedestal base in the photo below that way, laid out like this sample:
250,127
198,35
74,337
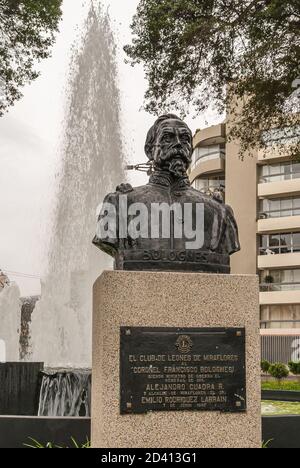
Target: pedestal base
150,299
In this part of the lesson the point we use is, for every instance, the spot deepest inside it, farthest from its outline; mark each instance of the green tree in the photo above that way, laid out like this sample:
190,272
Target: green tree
265,366
294,367
225,53
27,32
279,371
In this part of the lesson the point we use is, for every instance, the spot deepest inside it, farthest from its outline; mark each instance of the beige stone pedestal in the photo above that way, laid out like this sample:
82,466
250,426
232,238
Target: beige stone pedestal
150,299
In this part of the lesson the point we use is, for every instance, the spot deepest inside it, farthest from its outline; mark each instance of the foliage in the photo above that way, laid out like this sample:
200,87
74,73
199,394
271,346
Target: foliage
294,368
38,445
279,371
269,279
265,366
27,32
265,445
229,53
288,385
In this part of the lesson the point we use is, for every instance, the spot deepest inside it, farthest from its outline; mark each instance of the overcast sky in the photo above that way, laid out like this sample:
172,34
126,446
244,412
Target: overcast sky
29,142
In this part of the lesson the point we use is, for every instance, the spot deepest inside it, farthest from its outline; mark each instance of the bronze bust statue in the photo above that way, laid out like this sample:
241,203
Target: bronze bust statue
151,227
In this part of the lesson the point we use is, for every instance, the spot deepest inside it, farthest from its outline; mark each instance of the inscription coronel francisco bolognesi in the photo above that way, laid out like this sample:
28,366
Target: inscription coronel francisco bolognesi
173,369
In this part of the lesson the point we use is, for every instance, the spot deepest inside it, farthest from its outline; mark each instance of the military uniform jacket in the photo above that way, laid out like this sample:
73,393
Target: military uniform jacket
170,254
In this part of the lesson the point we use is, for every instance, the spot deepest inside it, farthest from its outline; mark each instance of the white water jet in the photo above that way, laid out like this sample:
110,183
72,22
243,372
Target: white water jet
92,165
10,322
65,394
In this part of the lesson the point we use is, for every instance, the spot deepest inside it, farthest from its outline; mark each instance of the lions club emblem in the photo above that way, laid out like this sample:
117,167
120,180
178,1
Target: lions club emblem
184,344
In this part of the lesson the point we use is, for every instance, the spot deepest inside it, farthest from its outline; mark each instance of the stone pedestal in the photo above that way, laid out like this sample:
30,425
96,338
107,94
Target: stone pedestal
150,299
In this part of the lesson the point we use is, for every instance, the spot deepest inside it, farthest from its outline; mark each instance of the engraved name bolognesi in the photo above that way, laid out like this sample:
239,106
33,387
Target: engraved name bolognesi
173,369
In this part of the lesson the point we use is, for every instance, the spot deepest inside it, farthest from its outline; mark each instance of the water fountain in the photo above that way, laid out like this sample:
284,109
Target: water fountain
92,165
27,307
10,319
20,381
65,394
56,328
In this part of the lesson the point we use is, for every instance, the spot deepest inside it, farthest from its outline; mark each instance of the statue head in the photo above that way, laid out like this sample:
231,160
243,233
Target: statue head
169,145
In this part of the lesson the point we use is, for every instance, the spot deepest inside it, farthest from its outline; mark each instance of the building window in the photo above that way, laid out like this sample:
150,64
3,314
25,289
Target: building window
279,172
271,244
278,208
210,184
207,153
280,316
280,280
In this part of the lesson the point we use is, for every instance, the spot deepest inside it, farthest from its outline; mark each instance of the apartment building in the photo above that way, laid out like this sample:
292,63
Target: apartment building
264,192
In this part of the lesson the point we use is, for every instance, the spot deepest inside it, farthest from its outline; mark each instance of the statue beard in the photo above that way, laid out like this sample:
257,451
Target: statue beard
177,167
175,162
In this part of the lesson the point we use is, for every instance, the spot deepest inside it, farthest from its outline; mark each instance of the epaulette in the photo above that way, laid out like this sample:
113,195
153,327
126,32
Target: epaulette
217,196
124,188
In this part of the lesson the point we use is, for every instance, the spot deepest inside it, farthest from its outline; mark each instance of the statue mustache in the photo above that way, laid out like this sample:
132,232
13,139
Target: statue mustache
176,152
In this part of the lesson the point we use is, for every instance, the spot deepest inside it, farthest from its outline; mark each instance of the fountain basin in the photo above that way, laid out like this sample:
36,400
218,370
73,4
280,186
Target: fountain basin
19,388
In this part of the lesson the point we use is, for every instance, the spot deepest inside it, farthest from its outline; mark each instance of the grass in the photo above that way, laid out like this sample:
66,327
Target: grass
35,444
287,385
265,445
279,408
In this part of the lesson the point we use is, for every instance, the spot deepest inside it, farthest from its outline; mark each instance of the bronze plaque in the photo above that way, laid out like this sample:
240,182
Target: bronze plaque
177,369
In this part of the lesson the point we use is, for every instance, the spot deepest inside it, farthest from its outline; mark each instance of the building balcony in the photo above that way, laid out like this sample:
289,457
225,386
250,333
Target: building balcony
279,188
282,224
279,331
282,261
213,166
213,135
279,297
